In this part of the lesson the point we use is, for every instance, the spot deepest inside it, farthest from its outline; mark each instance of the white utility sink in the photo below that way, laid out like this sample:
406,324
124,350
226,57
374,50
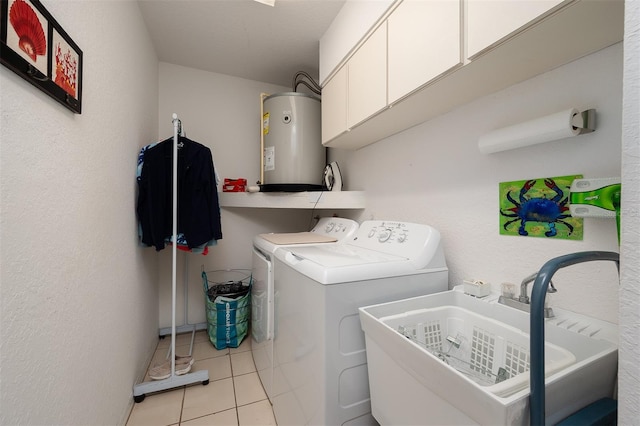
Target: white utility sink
453,359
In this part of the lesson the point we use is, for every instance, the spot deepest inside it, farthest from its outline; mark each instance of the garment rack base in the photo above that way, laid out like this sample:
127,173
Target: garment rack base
140,390
186,328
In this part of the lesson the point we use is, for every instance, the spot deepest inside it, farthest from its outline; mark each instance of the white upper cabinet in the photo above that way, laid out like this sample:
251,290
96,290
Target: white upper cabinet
334,105
358,89
424,42
418,63
367,78
354,21
490,21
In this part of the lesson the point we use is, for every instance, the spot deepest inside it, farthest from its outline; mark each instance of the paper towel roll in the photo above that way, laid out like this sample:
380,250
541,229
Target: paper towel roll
544,129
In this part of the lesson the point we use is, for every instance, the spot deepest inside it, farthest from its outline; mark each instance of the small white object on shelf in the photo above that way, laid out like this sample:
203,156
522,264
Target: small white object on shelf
477,288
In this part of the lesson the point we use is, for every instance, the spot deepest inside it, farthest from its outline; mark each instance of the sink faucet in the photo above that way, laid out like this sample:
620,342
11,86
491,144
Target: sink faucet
522,302
523,287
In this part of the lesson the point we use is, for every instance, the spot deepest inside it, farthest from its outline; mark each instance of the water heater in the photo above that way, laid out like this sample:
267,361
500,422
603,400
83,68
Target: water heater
293,155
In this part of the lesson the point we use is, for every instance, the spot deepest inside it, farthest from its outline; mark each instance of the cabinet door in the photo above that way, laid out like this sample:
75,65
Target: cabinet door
352,23
367,78
490,21
334,105
424,42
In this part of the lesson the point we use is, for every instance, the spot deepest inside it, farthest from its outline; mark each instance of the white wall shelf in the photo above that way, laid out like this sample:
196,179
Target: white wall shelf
293,200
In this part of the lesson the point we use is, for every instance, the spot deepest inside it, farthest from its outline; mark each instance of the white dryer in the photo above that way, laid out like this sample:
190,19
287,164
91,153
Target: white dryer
328,230
320,365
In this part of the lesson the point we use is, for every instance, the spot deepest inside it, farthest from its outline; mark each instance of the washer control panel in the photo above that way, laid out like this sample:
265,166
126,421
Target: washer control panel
337,227
398,238
390,232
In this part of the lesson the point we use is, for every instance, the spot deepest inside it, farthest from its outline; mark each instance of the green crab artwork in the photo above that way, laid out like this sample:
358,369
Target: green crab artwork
539,208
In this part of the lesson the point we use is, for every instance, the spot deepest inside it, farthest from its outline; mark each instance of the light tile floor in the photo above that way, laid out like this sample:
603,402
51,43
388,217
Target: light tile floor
234,395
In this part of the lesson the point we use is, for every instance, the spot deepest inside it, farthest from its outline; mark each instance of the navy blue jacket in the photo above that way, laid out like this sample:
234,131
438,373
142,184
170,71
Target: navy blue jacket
198,207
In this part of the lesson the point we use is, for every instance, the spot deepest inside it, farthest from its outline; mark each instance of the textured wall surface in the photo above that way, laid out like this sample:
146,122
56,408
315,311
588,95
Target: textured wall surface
434,173
79,298
629,362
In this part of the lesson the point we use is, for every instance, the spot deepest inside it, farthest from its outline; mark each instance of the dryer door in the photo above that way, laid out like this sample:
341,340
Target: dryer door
261,297
262,318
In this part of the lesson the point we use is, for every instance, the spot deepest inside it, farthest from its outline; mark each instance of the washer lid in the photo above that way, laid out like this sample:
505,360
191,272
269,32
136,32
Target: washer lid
379,249
337,228
343,263
291,238
334,255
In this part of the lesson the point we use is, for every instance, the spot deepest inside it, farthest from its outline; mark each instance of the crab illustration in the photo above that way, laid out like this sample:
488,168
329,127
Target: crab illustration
538,209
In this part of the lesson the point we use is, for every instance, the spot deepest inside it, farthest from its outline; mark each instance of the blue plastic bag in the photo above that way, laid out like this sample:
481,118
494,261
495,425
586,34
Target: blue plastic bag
228,315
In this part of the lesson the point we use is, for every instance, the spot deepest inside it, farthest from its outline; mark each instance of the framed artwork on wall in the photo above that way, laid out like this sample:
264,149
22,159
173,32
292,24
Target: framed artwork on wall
539,208
34,46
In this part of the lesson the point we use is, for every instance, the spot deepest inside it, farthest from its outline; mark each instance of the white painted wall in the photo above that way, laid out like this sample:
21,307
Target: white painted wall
222,112
433,173
629,359
79,297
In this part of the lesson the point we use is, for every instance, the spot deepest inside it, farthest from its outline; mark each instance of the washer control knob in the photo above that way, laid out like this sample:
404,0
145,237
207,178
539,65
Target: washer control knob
384,235
372,233
402,238
329,227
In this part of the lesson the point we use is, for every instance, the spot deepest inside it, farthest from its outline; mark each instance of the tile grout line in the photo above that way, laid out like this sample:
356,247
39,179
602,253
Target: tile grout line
184,396
233,383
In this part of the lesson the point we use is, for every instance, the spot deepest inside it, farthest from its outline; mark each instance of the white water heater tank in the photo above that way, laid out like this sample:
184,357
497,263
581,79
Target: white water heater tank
294,158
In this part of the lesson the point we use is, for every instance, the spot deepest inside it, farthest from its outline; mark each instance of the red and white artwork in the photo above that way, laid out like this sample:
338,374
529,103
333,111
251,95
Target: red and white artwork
65,65
27,33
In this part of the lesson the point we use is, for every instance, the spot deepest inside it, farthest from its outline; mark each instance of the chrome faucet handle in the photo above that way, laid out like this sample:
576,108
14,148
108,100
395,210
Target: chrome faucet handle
524,298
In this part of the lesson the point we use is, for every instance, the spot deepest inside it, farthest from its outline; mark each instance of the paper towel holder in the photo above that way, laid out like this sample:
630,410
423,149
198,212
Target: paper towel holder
585,122
570,123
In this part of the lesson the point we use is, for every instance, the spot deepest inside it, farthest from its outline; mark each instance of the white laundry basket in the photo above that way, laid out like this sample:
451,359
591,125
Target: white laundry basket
486,351
434,371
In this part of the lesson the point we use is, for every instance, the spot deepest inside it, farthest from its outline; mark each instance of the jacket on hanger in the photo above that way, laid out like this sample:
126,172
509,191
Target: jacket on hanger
198,207
182,241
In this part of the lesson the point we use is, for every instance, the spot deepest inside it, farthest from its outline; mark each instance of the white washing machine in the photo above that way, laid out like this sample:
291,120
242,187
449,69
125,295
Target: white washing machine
328,230
320,365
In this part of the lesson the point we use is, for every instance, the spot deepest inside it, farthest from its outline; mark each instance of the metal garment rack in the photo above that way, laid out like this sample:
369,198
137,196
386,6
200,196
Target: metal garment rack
173,381
186,325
